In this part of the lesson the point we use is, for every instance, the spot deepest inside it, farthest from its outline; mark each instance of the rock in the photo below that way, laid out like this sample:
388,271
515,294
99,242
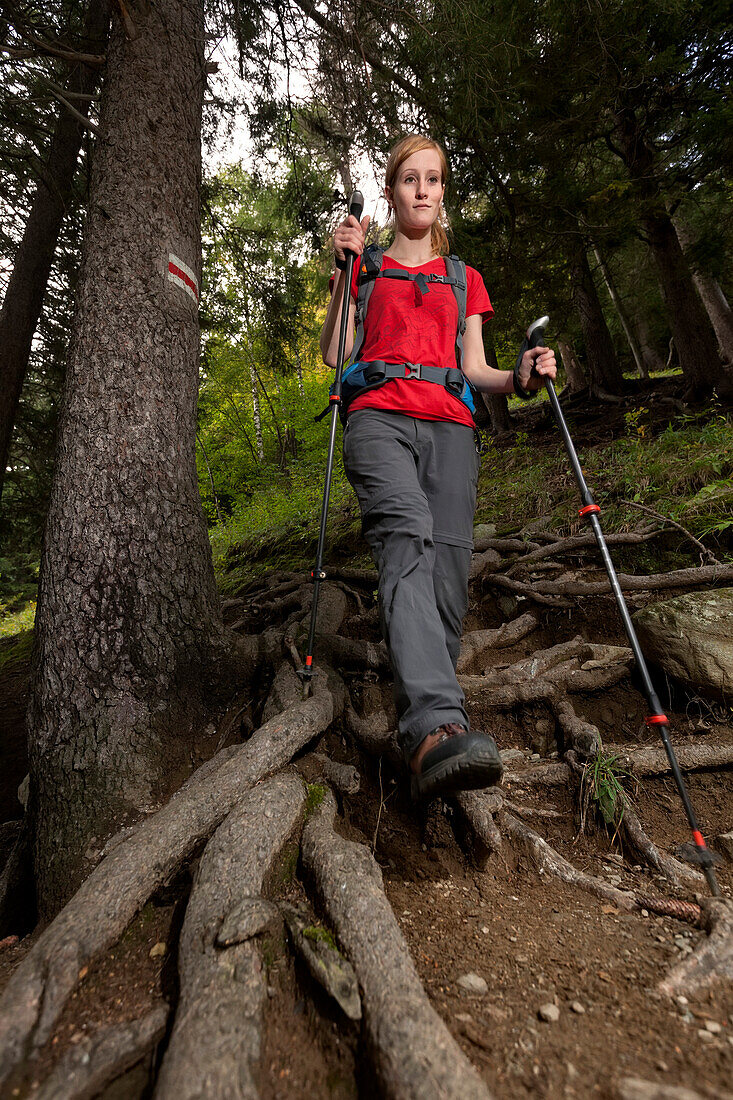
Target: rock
327,965
512,756
550,1013
480,562
508,605
724,843
483,531
577,1007
473,984
250,917
691,638
713,1027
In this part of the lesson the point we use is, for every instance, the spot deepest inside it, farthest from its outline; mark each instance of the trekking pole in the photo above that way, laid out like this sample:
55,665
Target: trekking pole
355,207
590,511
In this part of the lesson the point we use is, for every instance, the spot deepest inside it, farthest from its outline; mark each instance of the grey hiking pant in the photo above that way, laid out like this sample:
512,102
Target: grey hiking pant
416,485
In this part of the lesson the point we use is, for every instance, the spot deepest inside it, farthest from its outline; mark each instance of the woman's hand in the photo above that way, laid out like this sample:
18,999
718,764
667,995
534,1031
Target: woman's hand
350,237
543,362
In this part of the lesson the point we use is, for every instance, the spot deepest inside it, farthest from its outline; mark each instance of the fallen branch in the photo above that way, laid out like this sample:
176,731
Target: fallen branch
707,554
106,902
416,1056
217,1031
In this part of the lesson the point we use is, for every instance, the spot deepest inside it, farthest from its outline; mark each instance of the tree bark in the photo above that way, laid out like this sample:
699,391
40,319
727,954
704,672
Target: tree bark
496,403
573,370
27,286
601,358
693,335
713,298
622,315
128,613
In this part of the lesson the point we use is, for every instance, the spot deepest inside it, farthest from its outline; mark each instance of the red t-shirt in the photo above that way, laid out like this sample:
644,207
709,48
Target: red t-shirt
405,326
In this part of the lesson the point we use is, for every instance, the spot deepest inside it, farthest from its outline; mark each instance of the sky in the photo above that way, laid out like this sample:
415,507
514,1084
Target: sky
238,146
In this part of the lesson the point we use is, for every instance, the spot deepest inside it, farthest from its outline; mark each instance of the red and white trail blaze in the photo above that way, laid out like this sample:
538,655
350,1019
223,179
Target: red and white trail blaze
180,273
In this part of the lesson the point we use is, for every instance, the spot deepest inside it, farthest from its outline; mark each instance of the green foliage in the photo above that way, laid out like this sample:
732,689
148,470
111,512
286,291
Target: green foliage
603,787
15,645
683,472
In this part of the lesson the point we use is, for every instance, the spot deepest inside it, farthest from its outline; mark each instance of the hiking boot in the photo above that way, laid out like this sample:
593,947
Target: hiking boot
452,759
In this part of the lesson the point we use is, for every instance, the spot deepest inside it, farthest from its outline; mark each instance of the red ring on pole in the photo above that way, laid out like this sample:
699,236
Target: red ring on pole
698,838
335,397
657,720
589,510
308,662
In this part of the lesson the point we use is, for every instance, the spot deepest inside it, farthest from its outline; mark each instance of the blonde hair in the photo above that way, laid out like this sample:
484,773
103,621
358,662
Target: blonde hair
416,143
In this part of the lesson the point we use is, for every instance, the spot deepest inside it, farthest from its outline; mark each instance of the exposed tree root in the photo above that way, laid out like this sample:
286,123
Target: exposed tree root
478,809
633,1088
99,1058
712,961
414,1053
375,734
344,777
571,586
547,861
479,642
216,1035
124,880
691,756
647,851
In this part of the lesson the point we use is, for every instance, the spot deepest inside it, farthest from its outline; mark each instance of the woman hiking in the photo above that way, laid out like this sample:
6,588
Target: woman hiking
410,454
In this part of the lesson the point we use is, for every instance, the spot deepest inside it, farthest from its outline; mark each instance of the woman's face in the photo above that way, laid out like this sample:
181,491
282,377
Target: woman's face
417,192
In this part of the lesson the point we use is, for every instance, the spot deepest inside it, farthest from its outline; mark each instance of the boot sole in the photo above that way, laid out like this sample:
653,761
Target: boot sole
467,771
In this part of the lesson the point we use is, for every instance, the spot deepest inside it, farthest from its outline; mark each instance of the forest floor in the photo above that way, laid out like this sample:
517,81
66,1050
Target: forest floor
571,1005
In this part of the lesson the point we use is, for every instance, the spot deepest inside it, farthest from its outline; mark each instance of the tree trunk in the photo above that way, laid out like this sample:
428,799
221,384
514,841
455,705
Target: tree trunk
622,315
256,414
496,403
27,286
603,367
128,614
713,298
574,373
693,336
653,361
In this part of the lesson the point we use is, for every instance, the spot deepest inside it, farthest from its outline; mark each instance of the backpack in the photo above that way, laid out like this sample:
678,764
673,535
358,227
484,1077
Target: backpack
358,376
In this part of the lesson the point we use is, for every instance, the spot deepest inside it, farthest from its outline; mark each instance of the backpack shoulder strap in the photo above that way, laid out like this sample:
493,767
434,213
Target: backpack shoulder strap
455,269
369,268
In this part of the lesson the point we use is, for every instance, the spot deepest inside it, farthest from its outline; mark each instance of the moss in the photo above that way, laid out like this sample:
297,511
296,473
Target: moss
319,934
315,793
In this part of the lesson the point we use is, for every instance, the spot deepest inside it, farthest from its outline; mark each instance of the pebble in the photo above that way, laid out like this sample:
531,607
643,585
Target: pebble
576,1006
706,1035
713,1027
535,756
550,1013
682,1001
473,984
